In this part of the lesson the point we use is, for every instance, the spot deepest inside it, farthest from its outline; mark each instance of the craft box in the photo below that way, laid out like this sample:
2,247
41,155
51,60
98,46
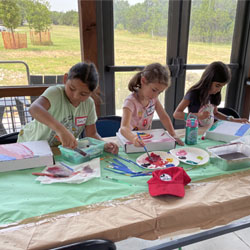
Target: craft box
155,140
226,131
90,147
13,157
231,156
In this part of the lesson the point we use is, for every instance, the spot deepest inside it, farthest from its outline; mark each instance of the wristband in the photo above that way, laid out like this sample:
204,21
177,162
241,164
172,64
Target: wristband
230,118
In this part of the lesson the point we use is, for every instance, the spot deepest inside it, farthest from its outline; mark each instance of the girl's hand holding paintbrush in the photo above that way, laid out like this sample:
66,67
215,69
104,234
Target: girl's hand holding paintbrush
203,115
138,142
66,138
144,147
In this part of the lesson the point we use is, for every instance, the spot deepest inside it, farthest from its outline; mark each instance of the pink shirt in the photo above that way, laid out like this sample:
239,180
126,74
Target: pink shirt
141,116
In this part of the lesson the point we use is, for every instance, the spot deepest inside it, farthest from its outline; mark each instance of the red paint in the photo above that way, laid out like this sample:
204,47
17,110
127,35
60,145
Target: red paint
156,160
56,170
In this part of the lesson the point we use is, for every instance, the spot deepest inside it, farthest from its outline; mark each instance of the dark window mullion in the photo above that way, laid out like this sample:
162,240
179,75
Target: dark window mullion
177,45
240,54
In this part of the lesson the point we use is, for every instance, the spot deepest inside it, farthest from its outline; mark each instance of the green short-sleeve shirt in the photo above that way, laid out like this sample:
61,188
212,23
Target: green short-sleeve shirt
73,118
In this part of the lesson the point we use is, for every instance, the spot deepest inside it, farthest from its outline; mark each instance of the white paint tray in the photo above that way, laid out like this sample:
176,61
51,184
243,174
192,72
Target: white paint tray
231,156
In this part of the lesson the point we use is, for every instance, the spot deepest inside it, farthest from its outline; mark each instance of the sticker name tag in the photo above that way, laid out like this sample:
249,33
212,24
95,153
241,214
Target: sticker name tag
80,121
150,110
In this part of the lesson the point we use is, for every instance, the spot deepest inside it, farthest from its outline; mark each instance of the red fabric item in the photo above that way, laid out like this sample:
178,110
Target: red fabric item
168,181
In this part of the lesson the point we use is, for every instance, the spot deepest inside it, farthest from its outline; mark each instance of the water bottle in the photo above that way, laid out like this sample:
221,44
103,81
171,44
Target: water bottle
191,135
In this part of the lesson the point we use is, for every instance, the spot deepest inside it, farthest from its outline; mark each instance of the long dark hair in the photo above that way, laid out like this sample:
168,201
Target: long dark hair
214,72
86,72
154,73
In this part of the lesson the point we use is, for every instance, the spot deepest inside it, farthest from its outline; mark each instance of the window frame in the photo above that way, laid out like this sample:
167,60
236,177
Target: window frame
178,30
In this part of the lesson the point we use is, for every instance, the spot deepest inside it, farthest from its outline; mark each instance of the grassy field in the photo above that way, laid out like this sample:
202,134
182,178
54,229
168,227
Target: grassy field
130,49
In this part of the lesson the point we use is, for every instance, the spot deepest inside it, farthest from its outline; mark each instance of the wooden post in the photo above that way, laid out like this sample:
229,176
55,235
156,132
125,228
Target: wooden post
88,38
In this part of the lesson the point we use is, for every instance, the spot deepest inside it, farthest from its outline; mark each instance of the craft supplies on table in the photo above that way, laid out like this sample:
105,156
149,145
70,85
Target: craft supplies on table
191,155
25,155
119,167
155,139
61,173
226,131
117,180
88,148
165,160
231,156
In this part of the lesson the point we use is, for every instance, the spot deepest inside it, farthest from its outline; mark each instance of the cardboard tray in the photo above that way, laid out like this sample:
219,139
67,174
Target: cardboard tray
42,156
226,131
159,140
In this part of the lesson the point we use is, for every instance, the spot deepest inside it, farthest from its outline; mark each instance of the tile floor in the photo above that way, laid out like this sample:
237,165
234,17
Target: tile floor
238,240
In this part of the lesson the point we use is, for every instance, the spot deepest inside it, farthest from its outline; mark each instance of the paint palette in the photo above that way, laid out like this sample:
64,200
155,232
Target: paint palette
191,155
165,160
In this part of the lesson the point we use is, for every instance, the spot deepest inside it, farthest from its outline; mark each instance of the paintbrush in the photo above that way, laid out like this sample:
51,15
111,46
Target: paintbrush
145,147
80,151
51,175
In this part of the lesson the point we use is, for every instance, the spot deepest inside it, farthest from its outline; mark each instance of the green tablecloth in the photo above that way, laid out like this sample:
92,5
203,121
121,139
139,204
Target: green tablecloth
22,197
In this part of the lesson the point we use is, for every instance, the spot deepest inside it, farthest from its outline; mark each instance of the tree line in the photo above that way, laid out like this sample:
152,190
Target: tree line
211,20
36,13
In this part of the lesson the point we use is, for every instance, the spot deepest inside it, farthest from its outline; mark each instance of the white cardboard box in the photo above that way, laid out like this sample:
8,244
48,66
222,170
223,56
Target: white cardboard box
226,131
11,155
161,140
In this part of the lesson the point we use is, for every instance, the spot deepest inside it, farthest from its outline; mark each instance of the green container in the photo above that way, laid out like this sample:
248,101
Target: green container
191,135
92,147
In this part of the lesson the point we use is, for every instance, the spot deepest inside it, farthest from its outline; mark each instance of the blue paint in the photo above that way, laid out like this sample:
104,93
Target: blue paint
242,130
6,158
169,165
192,162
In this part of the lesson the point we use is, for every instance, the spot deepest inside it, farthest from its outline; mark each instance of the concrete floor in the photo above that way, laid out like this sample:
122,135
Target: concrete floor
238,240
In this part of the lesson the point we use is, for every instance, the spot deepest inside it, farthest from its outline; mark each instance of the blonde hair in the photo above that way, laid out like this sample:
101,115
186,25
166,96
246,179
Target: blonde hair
153,73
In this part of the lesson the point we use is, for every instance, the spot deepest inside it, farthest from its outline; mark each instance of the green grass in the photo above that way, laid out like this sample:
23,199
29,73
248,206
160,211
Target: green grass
130,49
42,60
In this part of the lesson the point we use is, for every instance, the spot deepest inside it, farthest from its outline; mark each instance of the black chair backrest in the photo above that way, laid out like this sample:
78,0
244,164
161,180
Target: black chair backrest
9,138
229,111
95,244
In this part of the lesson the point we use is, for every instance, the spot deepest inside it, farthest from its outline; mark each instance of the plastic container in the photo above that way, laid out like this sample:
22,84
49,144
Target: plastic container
231,156
191,135
92,147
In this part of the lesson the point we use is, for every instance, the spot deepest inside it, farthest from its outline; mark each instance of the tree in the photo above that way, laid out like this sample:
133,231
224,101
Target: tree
38,15
56,17
213,21
70,18
10,14
121,8
151,16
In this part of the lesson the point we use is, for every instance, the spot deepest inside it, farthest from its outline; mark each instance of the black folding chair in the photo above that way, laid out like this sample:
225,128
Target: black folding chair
9,138
229,111
95,244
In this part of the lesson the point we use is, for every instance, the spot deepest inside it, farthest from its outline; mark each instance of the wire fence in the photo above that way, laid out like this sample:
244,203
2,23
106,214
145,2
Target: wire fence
14,113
